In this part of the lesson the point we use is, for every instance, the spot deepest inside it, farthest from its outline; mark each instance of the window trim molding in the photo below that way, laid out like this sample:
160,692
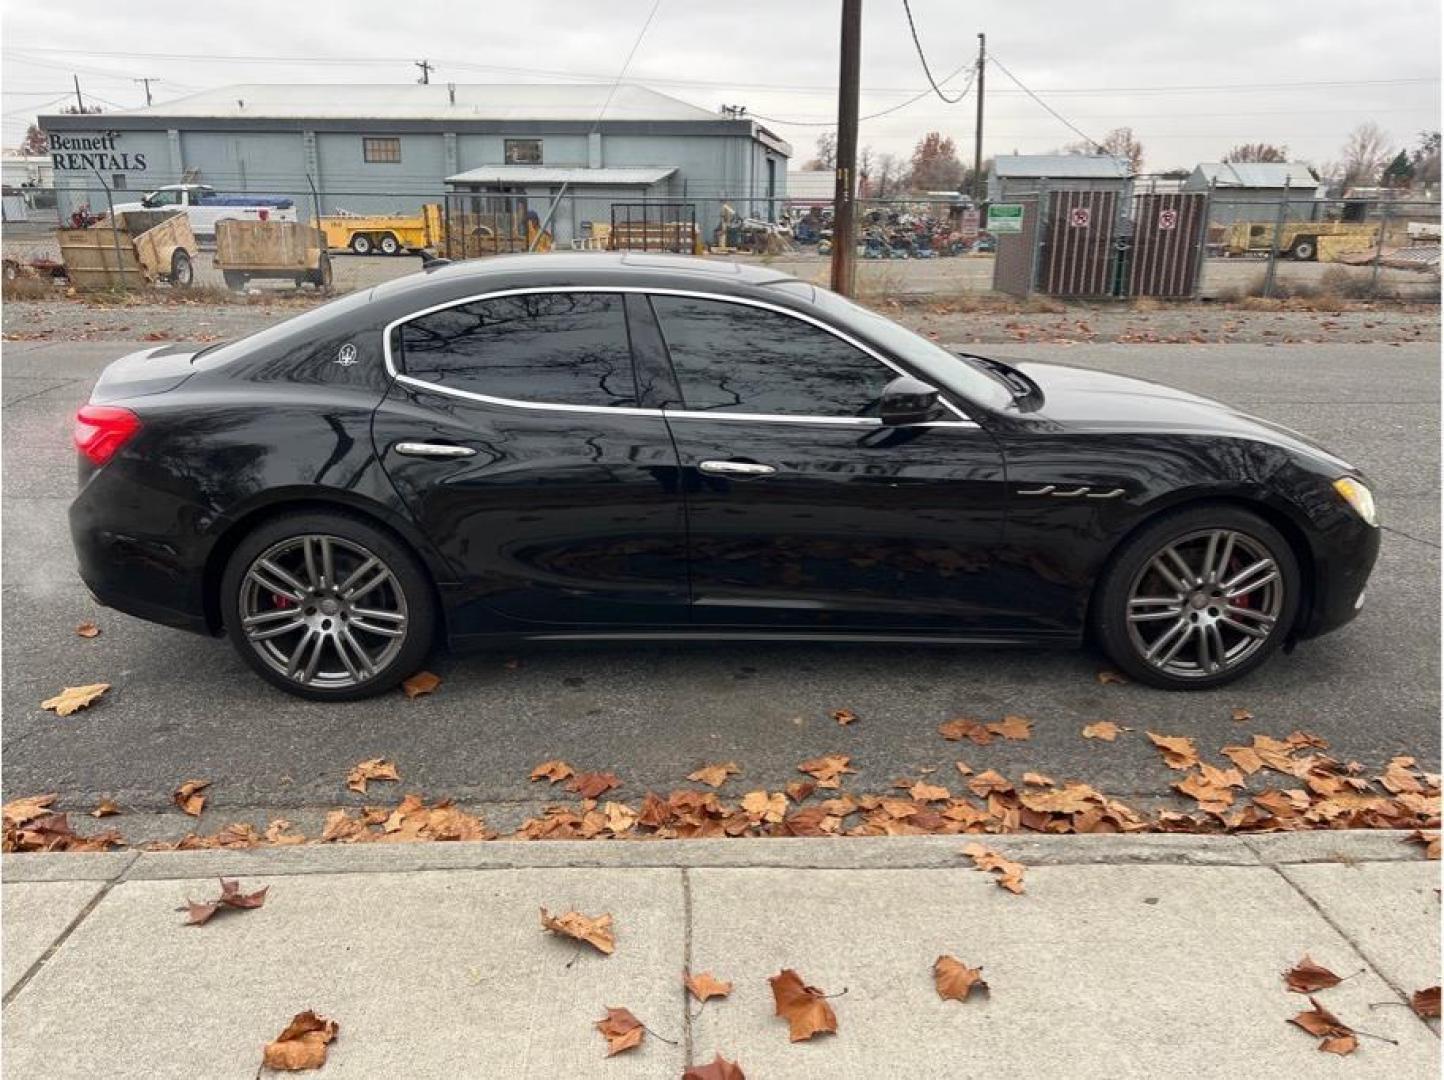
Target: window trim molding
684,414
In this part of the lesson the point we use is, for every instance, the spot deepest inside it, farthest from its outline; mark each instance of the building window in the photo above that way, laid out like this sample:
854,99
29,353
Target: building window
381,151
522,151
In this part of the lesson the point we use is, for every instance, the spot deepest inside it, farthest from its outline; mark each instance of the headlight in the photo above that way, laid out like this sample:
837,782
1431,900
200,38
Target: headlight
1359,497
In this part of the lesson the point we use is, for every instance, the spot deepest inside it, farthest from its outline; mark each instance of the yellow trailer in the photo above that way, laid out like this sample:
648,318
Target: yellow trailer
385,234
1297,239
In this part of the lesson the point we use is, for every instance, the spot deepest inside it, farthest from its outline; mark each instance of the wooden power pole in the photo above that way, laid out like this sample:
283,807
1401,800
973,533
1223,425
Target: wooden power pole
844,213
979,188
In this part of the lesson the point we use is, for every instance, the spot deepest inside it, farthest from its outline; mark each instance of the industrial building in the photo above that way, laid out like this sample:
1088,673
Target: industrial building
385,148
1253,190
1014,175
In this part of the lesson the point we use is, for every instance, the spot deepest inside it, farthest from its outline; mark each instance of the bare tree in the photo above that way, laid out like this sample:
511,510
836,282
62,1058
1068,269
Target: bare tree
889,175
825,159
1364,156
866,163
1426,159
1118,143
1257,151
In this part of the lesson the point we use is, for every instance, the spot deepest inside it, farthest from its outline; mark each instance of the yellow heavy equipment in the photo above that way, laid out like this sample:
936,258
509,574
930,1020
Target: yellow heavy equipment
1299,239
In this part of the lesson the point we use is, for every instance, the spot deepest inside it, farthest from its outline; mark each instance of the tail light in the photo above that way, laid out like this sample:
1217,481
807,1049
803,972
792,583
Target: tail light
101,430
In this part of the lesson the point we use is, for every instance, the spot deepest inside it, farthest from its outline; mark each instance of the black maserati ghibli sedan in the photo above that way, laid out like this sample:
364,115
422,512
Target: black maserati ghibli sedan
645,447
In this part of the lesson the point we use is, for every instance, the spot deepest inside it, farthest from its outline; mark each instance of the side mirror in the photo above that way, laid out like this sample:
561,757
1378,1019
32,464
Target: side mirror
906,400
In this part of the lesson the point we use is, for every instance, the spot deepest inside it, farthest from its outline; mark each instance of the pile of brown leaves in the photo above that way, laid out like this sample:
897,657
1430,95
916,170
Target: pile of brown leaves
30,825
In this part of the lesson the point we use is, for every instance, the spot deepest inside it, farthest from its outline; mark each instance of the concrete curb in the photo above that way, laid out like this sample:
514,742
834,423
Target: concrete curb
841,853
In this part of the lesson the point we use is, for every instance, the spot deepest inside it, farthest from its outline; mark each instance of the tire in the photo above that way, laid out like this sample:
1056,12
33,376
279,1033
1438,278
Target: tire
182,270
1133,584
1305,249
393,635
361,244
321,277
389,245
235,279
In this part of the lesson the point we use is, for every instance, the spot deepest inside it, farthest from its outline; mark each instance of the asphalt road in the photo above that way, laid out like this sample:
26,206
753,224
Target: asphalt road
184,706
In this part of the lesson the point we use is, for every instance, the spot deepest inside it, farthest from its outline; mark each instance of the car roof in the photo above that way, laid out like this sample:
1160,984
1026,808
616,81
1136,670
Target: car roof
581,268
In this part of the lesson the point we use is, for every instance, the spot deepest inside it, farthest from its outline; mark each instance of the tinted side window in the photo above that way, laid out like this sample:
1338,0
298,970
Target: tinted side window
734,358
547,348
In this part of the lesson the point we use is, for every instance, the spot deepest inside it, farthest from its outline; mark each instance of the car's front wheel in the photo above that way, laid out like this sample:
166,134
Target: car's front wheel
1198,598
327,606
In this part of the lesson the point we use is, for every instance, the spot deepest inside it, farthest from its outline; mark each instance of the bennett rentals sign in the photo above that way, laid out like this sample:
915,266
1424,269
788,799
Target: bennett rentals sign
76,153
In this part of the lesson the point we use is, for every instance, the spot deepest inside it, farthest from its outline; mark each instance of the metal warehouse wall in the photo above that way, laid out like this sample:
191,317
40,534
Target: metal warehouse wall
712,169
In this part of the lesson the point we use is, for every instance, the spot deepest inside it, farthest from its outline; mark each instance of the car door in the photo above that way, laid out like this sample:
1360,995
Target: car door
803,509
512,432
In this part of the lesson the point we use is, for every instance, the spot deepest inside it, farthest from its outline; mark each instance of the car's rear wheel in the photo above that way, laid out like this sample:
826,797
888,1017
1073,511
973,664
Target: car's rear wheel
1199,598
327,606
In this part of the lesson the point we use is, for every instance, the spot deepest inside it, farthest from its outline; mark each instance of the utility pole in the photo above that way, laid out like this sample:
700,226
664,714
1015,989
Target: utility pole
426,67
978,186
844,239
79,101
146,82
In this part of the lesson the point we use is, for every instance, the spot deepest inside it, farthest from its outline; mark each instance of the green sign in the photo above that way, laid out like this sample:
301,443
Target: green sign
1005,218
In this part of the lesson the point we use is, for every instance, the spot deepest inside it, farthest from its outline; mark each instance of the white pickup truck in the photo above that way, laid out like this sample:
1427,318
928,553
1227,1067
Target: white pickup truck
204,206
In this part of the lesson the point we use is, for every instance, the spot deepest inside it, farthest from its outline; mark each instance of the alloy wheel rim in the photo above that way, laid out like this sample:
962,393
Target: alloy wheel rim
1204,604
323,611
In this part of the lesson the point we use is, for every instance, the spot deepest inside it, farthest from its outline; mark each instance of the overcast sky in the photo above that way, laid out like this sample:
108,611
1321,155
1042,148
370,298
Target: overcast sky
1310,69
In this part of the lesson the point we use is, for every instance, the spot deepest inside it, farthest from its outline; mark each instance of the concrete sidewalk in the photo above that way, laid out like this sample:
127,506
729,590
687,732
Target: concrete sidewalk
1126,957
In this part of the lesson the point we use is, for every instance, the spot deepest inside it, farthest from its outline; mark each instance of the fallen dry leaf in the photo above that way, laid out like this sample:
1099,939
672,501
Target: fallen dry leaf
963,728
704,986
1335,1037
844,716
74,697
105,808
622,1030
27,809
188,796
1015,728
925,792
1425,1002
231,897
87,630
1178,751
798,790
1428,839
964,768
1038,779
803,1007
1105,677
715,775
302,1045
278,832
592,785
596,932
1010,874
423,682
371,769
760,806
1242,715
552,771
827,770
1307,977
1106,730
719,1068
955,980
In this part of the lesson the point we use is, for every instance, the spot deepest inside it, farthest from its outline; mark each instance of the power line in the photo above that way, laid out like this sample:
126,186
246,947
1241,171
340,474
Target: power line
883,112
1052,111
907,7
311,61
626,63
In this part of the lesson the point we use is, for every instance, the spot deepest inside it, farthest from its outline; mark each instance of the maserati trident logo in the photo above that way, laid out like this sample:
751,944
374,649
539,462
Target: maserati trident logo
346,355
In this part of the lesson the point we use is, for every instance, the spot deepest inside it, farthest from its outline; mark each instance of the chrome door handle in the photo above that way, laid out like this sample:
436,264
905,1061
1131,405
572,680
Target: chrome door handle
431,449
736,468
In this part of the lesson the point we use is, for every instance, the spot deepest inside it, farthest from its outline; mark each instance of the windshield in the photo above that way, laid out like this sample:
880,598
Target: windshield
931,361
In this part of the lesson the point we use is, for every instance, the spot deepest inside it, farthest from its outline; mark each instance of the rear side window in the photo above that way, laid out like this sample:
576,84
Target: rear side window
541,348
733,358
